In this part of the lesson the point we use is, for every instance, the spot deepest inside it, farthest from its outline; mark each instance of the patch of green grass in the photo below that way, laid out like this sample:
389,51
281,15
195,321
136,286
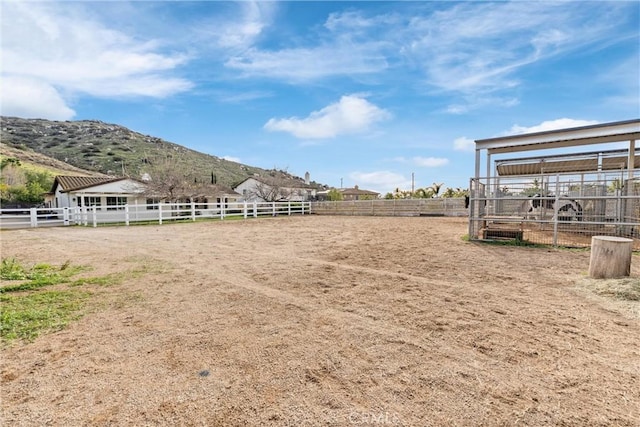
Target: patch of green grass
32,284
27,311
10,269
514,242
38,276
108,280
25,316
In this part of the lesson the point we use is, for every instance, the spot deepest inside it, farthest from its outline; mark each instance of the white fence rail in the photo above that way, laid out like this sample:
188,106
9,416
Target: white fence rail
155,213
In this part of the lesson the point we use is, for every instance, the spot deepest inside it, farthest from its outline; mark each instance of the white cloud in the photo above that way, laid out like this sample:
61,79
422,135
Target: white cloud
550,125
464,144
233,33
430,162
491,41
242,34
343,47
474,49
380,181
352,114
241,97
34,99
232,159
63,48
302,64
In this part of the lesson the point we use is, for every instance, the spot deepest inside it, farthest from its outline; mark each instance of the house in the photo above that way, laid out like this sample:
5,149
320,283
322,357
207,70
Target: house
356,193
217,193
106,193
276,189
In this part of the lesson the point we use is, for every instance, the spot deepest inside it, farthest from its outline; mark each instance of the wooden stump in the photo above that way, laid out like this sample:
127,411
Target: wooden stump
610,257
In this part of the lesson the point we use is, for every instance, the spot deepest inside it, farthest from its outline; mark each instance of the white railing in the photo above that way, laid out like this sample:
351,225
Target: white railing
153,213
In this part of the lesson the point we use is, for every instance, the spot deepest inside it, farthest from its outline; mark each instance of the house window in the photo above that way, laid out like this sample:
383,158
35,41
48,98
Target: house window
116,203
92,201
152,204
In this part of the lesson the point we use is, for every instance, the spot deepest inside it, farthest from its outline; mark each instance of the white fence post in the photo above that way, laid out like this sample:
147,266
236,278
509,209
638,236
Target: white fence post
289,207
222,208
255,209
159,212
94,214
193,211
273,208
65,216
33,217
245,209
126,214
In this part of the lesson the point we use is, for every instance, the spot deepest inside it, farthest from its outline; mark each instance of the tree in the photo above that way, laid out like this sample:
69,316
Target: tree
423,193
168,182
533,189
615,185
436,188
457,192
23,186
334,195
271,190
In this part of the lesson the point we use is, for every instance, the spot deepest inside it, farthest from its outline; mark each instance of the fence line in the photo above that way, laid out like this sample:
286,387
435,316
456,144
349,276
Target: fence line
443,206
151,213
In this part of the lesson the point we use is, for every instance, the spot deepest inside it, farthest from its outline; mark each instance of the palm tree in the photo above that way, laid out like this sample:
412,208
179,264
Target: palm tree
436,188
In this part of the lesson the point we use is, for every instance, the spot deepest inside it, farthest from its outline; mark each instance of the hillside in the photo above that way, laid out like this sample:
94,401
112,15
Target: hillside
32,160
103,148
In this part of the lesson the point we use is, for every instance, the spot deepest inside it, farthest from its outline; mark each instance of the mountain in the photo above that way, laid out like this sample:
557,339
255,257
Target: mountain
102,148
39,162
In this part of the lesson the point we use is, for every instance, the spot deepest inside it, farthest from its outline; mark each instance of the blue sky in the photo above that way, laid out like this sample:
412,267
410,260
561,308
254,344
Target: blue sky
358,93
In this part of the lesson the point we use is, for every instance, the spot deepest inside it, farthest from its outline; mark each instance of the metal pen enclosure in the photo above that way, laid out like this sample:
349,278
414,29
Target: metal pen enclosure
559,199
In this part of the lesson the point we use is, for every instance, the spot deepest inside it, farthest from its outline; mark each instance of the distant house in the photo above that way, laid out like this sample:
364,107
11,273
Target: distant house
356,193
275,189
105,193
217,193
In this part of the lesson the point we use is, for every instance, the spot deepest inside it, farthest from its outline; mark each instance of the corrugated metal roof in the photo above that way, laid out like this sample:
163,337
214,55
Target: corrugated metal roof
72,183
582,165
548,167
618,163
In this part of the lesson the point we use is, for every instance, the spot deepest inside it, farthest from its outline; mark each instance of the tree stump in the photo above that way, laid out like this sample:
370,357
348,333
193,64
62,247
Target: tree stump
610,257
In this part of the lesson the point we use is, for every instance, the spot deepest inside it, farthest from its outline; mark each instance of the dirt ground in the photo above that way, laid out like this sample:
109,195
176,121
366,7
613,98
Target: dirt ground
324,321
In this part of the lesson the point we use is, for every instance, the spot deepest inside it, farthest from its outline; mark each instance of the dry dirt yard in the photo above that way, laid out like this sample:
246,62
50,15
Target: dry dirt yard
323,321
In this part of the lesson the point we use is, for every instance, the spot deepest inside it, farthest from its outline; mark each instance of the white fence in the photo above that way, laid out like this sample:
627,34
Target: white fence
154,213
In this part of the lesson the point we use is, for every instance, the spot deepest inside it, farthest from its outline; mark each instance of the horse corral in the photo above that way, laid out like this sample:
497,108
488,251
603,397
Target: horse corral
323,320
560,199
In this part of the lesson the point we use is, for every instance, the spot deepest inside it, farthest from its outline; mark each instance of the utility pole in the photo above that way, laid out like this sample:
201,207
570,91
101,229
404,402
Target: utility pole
413,182
341,183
